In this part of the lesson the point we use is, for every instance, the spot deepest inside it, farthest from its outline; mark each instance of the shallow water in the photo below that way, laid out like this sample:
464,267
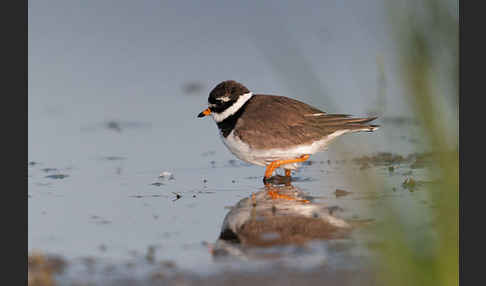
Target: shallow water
115,188
109,201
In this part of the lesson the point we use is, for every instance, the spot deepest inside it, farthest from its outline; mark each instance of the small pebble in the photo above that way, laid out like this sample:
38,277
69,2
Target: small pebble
166,175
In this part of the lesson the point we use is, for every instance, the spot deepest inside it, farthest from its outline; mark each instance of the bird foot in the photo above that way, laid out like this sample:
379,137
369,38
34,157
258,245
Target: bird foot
277,180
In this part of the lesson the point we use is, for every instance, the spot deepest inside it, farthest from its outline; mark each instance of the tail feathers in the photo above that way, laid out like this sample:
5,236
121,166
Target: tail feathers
367,128
357,124
345,122
360,127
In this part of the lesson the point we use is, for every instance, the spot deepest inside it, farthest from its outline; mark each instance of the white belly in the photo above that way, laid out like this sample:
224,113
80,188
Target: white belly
263,157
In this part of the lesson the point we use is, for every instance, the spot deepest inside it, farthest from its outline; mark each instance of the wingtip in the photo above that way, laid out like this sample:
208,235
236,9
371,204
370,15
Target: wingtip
373,127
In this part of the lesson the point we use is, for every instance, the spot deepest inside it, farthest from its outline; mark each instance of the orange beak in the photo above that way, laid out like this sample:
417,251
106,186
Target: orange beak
205,112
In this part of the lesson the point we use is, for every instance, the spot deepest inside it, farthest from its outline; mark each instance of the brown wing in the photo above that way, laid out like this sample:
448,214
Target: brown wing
271,121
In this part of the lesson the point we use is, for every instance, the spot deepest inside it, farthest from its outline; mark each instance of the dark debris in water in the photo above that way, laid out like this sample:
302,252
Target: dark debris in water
205,192
99,220
253,178
192,87
47,170
113,125
119,126
237,163
114,158
208,153
57,176
145,196
136,196
178,196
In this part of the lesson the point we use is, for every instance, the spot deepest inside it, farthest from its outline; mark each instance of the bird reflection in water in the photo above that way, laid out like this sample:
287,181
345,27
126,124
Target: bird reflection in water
277,216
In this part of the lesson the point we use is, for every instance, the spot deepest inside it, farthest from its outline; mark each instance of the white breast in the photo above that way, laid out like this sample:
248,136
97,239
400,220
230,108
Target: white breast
263,157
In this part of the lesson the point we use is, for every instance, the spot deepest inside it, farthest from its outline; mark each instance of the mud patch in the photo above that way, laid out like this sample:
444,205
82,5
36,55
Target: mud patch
379,159
146,269
416,160
42,269
341,193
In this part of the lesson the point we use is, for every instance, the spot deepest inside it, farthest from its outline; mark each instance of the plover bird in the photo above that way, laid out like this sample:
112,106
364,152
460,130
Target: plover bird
275,131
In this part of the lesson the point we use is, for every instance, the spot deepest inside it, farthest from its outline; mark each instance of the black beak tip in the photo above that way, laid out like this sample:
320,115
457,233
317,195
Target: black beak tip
200,115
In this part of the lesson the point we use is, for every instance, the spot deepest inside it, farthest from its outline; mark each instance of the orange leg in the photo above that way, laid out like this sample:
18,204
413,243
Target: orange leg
275,164
287,173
